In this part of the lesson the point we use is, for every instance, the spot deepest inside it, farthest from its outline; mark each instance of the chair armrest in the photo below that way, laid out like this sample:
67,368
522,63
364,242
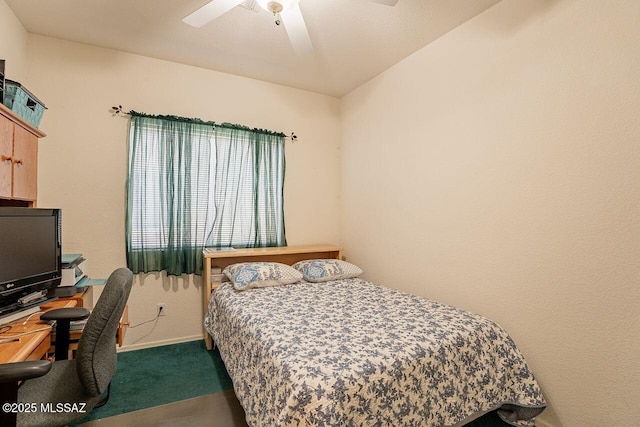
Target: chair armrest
63,318
12,372
70,313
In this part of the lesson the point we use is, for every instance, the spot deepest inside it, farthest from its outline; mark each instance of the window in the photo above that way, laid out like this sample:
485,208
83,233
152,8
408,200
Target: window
193,184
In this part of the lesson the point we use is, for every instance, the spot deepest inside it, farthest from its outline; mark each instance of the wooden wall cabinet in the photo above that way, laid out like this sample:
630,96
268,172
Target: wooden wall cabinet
18,160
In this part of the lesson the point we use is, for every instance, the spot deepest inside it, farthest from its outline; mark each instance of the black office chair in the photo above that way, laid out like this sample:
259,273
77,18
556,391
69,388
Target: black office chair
63,383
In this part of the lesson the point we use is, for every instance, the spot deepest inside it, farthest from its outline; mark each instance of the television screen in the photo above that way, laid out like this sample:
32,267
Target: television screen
30,256
28,247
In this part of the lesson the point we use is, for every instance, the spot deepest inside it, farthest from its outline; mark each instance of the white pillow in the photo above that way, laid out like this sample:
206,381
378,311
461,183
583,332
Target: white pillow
247,275
323,270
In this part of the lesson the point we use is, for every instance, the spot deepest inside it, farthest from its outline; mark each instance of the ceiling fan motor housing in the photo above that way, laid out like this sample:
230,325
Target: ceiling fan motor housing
276,6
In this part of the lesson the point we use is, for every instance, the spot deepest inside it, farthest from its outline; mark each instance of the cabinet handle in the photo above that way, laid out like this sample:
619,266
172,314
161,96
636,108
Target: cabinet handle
17,161
5,158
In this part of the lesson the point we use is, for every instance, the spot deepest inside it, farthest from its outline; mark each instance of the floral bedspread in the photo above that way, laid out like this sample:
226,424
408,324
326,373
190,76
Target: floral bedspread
351,353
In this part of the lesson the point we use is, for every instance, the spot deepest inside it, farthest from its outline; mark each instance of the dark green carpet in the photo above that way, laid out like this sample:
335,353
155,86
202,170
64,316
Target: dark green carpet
159,375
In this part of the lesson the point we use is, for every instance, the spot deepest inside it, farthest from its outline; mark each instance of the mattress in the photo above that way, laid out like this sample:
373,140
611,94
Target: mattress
353,353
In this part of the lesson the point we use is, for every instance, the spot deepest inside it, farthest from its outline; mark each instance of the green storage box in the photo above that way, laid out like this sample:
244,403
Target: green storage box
23,102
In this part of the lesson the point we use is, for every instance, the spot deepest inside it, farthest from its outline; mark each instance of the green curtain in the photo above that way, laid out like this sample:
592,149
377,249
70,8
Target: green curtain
193,184
247,189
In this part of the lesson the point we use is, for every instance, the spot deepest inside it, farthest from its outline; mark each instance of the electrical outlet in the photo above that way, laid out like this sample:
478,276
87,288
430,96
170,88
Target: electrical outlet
162,309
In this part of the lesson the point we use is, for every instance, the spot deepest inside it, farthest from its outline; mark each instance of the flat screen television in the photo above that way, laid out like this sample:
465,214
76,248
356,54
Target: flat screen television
30,256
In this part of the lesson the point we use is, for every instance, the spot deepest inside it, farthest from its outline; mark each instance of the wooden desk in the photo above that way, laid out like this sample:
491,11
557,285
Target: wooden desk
34,345
39,344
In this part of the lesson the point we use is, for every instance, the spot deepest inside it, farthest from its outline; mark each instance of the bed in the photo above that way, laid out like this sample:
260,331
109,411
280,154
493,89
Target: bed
352,353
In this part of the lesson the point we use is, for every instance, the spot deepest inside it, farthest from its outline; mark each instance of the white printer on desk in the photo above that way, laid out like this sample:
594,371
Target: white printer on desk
74,268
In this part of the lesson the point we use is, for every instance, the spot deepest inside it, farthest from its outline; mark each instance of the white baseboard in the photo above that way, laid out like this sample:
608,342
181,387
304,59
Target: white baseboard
159,343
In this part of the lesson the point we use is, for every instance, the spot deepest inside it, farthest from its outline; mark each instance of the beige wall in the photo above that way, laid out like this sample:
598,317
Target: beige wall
498,169
13,43
84,156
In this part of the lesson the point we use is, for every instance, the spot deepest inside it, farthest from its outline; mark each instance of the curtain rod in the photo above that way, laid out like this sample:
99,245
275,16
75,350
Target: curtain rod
118,110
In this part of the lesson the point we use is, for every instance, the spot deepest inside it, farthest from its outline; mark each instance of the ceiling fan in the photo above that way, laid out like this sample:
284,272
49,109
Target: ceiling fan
288,11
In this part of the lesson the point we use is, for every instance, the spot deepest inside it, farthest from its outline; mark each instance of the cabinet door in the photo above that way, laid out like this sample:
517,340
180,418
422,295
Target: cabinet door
25,164
6,151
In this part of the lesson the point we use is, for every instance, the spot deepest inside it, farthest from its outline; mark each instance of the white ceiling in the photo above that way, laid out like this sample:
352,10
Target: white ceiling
354,40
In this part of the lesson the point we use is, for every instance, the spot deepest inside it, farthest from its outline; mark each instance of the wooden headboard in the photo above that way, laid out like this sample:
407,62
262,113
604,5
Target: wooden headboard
219,259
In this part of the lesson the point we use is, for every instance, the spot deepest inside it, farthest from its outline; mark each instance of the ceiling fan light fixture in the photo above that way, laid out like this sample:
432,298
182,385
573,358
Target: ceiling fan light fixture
276,6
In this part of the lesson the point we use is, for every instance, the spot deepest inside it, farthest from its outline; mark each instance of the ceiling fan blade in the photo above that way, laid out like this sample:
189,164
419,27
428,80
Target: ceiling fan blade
387,2
296,29
210,11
